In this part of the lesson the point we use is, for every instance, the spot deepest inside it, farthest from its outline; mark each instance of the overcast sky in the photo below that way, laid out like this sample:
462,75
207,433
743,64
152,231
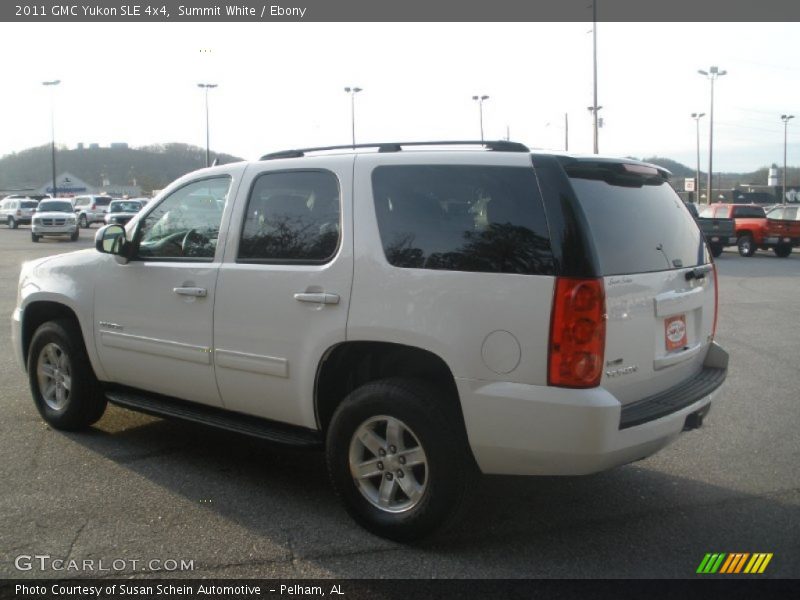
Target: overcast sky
281,85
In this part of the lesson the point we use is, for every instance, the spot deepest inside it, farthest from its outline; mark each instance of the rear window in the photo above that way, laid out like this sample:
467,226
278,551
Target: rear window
748,212
29,204
462,218
639,227
102,200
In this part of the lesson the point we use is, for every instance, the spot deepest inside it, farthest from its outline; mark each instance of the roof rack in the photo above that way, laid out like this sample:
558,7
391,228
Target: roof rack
496,146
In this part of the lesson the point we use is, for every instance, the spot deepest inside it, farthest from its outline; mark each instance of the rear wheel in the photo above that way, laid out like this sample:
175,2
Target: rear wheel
746,245
63,385
397,460
84,222
12,223
34,237
783,250
75,234
716,250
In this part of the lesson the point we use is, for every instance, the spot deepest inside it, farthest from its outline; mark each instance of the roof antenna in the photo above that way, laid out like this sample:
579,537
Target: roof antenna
216,162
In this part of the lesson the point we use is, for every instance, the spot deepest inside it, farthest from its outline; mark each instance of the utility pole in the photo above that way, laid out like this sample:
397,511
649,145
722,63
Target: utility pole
353,91
206,87
594,108
785,119
52,84
697,117
480,100
566,132
712,74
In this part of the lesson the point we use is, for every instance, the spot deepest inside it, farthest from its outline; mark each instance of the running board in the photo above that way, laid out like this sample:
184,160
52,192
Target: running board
164,406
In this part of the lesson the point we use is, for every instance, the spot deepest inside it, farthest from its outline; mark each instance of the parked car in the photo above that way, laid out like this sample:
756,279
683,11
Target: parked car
17,210
750,223
122,211
783,229
91,209
421,315
718,232
54,218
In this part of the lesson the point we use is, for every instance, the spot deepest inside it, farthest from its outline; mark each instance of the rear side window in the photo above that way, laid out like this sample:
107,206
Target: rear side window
102,200
639,228
292,216
746,212
462,218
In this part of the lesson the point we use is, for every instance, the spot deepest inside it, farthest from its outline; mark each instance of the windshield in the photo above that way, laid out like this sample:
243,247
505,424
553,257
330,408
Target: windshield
128,207
54,206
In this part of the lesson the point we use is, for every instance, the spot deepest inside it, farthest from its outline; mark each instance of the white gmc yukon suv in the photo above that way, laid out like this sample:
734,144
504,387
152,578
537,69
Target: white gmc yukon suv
424,312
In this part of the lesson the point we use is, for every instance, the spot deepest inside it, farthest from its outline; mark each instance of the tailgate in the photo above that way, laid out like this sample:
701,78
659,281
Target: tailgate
658,330
657,274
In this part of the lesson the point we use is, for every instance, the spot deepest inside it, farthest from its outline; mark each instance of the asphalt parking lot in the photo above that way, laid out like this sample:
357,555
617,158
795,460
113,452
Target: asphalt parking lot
140,488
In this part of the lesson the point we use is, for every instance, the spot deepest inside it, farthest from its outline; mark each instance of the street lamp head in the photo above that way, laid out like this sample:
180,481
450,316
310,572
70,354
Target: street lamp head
484,97
721,73
54,82
702,72
356,89
786,117
713,70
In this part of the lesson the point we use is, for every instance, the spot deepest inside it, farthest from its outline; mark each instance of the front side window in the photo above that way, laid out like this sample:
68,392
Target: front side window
186,223
487,219
292,216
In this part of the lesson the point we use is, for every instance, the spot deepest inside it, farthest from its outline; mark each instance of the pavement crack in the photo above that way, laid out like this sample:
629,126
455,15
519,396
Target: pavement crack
75,539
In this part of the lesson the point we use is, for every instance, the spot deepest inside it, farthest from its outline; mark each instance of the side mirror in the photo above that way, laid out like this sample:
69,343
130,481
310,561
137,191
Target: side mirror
111,240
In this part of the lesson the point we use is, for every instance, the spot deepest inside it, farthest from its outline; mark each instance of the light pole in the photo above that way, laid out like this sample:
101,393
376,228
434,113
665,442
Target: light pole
594,110
52,84
785,119
353,91
697,117
713,73
594,107
206,87
479,100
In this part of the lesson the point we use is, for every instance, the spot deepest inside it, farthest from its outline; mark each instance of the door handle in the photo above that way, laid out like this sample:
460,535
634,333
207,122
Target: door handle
317,297
197,292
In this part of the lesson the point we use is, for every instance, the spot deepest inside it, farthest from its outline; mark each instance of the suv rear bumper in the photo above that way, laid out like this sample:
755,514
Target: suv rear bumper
518,429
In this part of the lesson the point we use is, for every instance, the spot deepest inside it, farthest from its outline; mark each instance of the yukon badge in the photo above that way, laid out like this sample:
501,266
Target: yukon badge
620,371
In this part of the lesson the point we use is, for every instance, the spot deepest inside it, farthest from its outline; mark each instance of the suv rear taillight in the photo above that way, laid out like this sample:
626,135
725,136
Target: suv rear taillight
19,213
577,333
716,301
93,207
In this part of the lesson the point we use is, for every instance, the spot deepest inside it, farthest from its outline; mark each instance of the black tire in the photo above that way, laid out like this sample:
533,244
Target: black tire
74,236
83,222
746,245
34,238
84,402
447,472
12,223
782,250
716,250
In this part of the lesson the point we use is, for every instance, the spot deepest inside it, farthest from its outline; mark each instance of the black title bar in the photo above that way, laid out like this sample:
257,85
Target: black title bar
400,10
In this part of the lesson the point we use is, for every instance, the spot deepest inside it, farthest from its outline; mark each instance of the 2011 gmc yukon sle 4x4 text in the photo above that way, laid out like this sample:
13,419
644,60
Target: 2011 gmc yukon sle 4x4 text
423,315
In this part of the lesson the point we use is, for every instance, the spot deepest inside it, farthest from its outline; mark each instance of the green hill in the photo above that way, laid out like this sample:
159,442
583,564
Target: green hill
151,167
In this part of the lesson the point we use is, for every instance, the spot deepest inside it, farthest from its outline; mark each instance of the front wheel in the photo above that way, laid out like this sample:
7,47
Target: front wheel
34,238
746,245
83,221
397,458
75,234
64,388
12,223
716,250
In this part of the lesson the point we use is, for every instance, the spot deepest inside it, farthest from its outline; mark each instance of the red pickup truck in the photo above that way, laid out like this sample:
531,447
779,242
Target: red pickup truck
783,229
750,224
